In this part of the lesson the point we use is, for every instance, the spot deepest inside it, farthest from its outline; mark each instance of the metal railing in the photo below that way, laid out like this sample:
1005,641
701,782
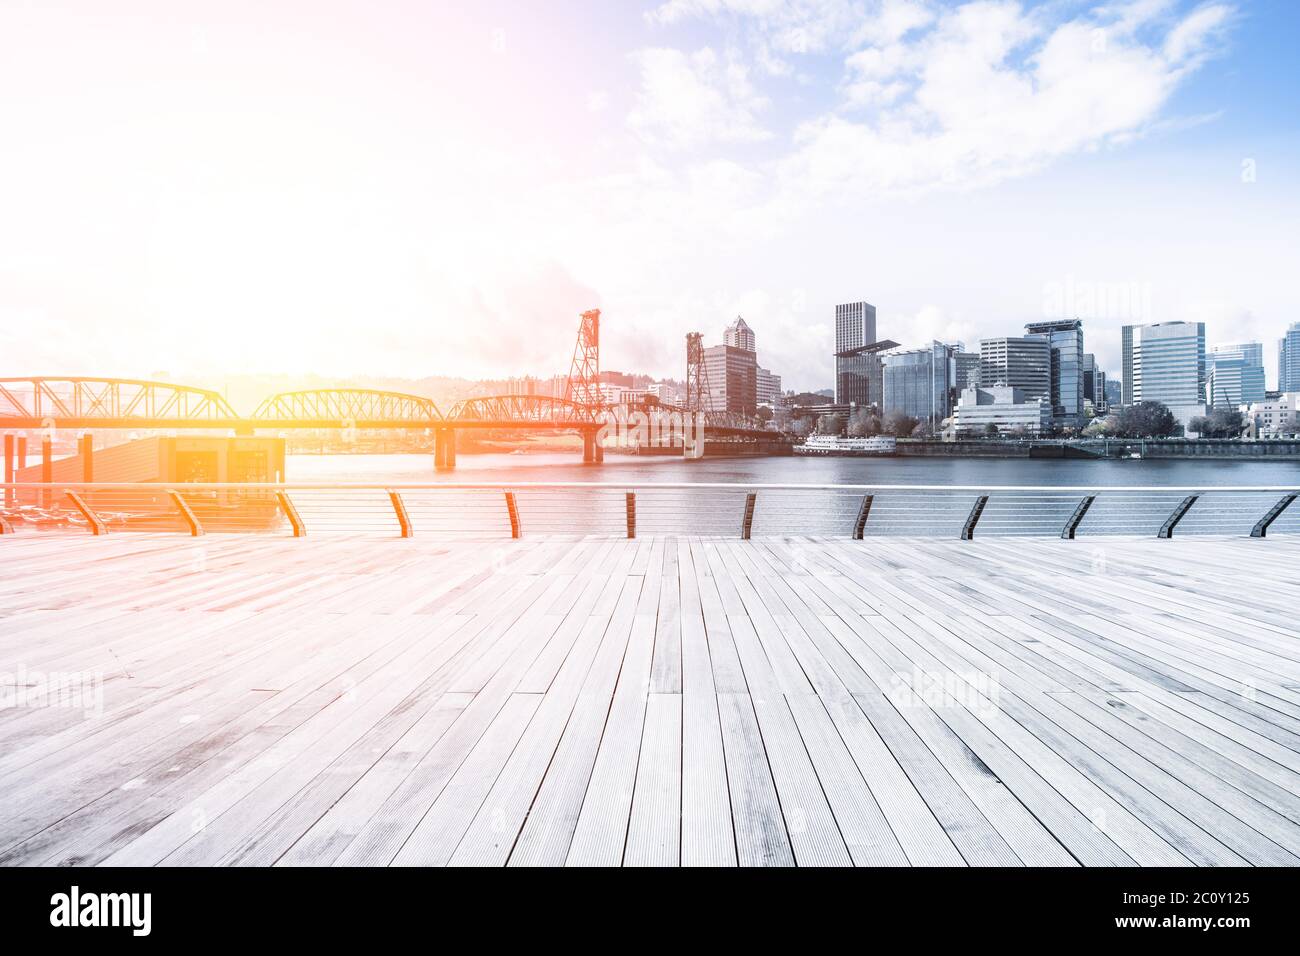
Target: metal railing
474,509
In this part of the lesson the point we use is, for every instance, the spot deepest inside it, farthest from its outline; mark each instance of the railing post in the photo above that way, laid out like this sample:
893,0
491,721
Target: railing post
863,511
512,508
96,523
9,469
187,513
47,472
1167,529
399,508
968,529
291,512
5,526
1072,525
631,514
748,523
1261,526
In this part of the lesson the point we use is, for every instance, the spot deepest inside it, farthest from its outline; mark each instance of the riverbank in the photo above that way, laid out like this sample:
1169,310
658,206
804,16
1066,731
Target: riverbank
1113,448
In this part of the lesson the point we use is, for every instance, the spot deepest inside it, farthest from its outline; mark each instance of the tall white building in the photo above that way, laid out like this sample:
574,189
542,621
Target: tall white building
739,336
767,387
1288,360
1168,366
857,376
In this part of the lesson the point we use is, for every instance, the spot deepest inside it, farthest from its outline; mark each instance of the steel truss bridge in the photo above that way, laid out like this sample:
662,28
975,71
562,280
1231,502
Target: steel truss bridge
86,403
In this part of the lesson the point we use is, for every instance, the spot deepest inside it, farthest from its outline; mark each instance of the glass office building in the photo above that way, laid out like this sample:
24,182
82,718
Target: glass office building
1066,388
1288,360
920,382
1018,362
1235,375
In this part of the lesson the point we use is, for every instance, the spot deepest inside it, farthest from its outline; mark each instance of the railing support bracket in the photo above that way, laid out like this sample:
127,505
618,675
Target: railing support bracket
512,509
399,509
968,529
291,512
96,523
187,512
864,510
1261,526
747,523
1073,524
631,514
1167,529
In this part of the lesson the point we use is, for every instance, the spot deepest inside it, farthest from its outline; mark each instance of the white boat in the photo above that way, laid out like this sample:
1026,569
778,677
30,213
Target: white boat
834,445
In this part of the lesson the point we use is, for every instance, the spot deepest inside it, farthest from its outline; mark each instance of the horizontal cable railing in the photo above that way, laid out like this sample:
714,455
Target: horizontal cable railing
488,509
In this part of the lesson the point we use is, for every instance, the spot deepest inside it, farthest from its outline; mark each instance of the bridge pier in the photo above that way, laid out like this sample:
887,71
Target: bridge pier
593,452
444,449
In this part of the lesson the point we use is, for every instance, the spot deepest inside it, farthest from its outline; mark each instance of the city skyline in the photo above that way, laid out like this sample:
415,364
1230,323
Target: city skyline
708,160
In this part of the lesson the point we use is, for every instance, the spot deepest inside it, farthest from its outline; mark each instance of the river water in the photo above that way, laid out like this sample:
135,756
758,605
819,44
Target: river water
815,470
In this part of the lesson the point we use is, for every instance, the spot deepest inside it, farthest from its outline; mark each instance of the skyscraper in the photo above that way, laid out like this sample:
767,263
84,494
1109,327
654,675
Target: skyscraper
919,382
1169,367
1024,363
855,374
1066,390
1126,364
733,379
1235,375
1288,360
739,335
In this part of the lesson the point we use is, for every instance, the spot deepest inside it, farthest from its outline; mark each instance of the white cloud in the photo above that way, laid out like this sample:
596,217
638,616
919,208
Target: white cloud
996,91
691,99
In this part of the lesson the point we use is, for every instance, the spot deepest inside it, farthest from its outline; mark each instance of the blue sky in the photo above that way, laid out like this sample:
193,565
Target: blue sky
412,188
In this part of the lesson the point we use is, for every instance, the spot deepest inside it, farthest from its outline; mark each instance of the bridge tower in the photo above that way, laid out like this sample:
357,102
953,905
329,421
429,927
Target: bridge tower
697,393
583,385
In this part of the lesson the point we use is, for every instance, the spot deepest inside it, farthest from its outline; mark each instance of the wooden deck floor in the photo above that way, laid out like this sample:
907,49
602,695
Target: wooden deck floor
659,701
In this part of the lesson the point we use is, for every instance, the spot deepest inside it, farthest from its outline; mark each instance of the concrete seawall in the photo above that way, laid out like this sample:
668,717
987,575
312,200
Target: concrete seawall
1273,450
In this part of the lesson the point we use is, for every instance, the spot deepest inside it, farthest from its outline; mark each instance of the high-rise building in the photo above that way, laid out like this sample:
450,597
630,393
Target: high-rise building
1288,360
855,373
1114,392
919,382
1235,375
1019,362
1094,384
967,365
1169,367
733,379
739,336
1126,364
767,388
1066,392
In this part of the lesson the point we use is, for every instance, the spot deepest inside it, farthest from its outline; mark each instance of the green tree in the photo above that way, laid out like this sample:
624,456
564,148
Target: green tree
991,430
1146,420
1219,423
899,424
828,425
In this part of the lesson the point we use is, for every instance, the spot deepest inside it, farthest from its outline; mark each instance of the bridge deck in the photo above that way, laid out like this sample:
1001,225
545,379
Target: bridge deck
597,701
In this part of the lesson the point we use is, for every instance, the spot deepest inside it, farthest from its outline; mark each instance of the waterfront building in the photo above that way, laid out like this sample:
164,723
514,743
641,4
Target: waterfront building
1019,362
1094,384
1006,408
855,374
732,373
739,336
1065,339
967,367
1169,367
919,382
1276,417
1126,364
767,388
1288,360
1235,375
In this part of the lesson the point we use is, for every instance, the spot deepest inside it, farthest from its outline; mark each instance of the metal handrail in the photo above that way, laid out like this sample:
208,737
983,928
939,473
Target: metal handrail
262,506
632,486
